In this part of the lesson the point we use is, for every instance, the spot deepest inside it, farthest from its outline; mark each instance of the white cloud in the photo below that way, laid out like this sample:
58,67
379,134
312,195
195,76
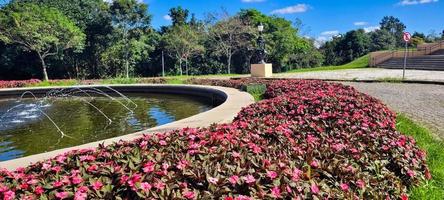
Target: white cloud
252,1
299,8
330,33
167,17
321,40
360,23
371,29
416,2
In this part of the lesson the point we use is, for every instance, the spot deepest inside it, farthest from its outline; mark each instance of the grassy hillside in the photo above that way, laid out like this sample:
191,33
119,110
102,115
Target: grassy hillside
361,62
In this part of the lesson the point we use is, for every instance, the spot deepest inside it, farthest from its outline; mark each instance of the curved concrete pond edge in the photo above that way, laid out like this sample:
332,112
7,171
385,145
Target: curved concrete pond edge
231,102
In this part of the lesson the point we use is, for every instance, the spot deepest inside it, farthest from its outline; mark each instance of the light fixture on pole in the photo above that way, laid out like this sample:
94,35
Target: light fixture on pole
261,69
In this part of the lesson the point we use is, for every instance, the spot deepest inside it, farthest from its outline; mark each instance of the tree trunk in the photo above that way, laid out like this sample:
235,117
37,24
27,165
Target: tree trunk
180,66
45,74
127,67
186,65
229,64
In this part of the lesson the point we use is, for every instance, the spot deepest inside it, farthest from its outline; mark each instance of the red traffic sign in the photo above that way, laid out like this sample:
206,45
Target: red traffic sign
407,36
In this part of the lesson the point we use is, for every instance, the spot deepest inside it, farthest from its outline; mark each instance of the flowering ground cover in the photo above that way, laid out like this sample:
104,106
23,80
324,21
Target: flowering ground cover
71,82
306,140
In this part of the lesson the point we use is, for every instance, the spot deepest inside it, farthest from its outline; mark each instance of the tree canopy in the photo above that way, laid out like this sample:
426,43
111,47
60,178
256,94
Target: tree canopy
43,30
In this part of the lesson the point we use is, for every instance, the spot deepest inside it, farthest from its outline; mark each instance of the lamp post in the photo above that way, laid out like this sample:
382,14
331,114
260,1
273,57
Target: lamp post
261,44
261,69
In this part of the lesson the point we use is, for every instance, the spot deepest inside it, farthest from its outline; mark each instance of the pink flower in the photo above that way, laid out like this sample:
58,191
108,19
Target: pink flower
143,144
56,169
162,142
62,195
271,174
145,186
360,184
344,187
9,195
182,164
77,180
314,164
92,168
61,159
242,197
189,194
234,179
97,185
46,166
149,167
134,179
57,184
411,173
38,190
79,195
249,179
236,154
314,188
276,192
296,174
159,185
213,180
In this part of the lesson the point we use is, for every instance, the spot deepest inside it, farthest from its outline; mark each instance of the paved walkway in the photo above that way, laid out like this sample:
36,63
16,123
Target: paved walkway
424,103
368,74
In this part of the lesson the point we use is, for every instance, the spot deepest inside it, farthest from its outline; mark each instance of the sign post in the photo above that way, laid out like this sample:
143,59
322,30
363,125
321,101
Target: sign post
407,37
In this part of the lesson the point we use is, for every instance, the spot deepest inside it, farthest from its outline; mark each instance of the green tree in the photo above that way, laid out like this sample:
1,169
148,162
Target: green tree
129,18
93,17
45,31
230,35
395,27
179,16
138,49
382,40
183,42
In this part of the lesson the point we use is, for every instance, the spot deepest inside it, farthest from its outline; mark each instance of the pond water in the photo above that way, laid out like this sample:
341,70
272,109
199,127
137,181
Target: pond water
25,130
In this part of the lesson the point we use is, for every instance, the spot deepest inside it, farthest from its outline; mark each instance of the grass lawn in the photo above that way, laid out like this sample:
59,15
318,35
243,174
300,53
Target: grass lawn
433,189
361,62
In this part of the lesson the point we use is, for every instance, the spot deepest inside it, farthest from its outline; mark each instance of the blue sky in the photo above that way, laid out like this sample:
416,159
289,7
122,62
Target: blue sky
322,18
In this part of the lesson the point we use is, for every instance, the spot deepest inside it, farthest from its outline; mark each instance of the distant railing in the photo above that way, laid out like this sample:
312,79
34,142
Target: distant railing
379,57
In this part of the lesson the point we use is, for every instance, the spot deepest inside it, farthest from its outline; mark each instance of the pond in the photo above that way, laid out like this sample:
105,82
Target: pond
26,127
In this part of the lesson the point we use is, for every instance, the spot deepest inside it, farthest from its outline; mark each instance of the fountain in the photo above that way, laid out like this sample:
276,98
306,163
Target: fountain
38,122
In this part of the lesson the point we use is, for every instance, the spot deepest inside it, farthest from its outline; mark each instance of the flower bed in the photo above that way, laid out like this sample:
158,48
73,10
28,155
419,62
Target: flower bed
70,82
307,140
16,84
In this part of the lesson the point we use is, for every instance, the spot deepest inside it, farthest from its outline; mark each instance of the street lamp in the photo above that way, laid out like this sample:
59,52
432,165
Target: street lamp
261,44
261,69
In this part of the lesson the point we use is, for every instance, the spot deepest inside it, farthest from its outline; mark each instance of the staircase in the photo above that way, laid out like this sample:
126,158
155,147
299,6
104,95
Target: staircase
426,57
427,62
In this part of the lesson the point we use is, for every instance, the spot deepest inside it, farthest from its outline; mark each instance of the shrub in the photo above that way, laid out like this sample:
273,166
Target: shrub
308,140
